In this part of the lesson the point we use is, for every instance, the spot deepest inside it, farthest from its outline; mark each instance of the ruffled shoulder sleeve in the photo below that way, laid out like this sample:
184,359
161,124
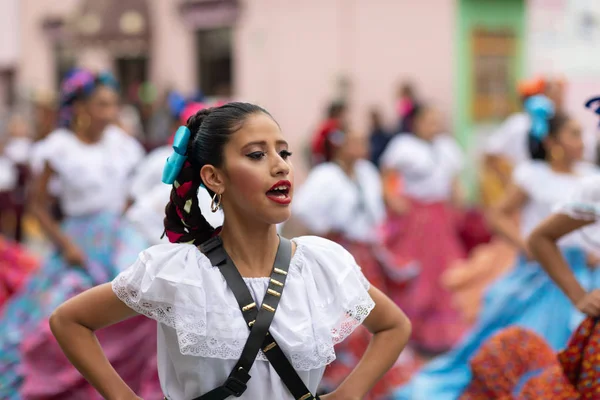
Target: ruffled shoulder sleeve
400,152
452,152
528,174
165,283
584,202
54,150
340,289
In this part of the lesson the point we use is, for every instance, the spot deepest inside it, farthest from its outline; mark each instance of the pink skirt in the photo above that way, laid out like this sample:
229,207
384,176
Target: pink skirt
350,351
428,234
48,374
16,264
469,279
364,254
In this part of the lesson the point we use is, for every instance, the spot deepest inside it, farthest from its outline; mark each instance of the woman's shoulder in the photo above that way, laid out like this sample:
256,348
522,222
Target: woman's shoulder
317,253
178,263
315,245
530,170
587,169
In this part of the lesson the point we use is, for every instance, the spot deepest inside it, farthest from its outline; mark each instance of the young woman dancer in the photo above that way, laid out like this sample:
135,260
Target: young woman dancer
525,296
424,212
575,217
93,161
342,199
236,151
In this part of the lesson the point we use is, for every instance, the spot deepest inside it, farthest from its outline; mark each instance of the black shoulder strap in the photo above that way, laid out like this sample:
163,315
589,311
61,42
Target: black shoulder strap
258,322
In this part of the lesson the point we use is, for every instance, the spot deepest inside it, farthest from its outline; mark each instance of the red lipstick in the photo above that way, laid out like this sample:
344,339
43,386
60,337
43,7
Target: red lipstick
280,192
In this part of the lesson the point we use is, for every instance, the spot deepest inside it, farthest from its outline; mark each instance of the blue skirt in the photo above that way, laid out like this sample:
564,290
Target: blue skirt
526,297
110,245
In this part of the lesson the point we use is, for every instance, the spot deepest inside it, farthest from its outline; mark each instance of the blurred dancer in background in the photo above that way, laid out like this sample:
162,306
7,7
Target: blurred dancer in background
93,160
507,146
525,296
342,199
577,216
423,225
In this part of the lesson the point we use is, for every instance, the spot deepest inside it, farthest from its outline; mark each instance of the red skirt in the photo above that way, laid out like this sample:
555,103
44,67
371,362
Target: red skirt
427,234
50,376
368,256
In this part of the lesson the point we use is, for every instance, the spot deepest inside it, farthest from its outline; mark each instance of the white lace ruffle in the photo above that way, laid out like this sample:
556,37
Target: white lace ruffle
584,202
580,211
324,300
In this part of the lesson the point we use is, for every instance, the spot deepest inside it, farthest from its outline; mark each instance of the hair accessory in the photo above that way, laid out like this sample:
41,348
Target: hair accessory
532,87
540,109
175,161
594,105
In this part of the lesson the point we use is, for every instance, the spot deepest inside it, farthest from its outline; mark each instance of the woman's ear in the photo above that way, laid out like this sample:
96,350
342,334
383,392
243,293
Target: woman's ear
213,179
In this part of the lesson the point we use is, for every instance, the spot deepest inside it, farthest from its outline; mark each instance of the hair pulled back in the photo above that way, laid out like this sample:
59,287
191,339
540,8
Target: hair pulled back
537,150
210,130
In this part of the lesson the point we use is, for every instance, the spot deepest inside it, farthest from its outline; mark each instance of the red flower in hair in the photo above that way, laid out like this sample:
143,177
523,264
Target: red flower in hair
318,146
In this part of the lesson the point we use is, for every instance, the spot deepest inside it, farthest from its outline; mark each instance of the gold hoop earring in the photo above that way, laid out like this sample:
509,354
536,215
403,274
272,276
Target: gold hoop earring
215,204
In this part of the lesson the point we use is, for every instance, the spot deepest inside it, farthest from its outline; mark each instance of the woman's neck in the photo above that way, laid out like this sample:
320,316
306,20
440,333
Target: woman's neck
346,166
252,246
90,135
562,167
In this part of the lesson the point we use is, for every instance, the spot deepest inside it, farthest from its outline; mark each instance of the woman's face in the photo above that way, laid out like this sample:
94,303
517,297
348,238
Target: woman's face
103,107
355,147
570,140
258,172
428,124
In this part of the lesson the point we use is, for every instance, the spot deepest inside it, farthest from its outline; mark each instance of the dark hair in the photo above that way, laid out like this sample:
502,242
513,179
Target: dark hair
407,124
336,109
536,146
210,130
80,84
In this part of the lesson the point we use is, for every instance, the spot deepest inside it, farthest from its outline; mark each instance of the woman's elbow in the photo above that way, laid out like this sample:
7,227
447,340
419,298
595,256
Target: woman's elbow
406,326
59,320
403,325
56,321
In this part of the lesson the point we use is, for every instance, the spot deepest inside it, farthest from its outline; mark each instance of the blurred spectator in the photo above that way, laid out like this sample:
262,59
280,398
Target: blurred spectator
380,137
405,106
335,120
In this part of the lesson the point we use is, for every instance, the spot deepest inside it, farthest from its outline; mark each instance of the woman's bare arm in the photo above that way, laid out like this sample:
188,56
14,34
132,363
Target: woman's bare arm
391,330
73,324
543,245
502,217
39,205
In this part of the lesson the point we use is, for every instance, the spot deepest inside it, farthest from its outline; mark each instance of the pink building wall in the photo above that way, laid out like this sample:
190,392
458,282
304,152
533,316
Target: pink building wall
288,55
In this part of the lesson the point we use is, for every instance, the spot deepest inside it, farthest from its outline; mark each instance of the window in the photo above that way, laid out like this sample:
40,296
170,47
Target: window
7,88
131,73
494,59
215,69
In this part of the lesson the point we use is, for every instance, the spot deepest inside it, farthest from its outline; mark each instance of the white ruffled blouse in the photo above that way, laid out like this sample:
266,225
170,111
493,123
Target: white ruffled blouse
584,202
201,330
545,190
428,169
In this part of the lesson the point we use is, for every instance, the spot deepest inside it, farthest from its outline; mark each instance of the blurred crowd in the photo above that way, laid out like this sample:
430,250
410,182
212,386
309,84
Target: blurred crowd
81,195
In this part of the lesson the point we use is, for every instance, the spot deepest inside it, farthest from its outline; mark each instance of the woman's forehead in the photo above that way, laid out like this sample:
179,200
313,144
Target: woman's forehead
258,127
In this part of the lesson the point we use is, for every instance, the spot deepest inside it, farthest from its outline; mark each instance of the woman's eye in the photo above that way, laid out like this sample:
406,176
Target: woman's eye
285,154
257,155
